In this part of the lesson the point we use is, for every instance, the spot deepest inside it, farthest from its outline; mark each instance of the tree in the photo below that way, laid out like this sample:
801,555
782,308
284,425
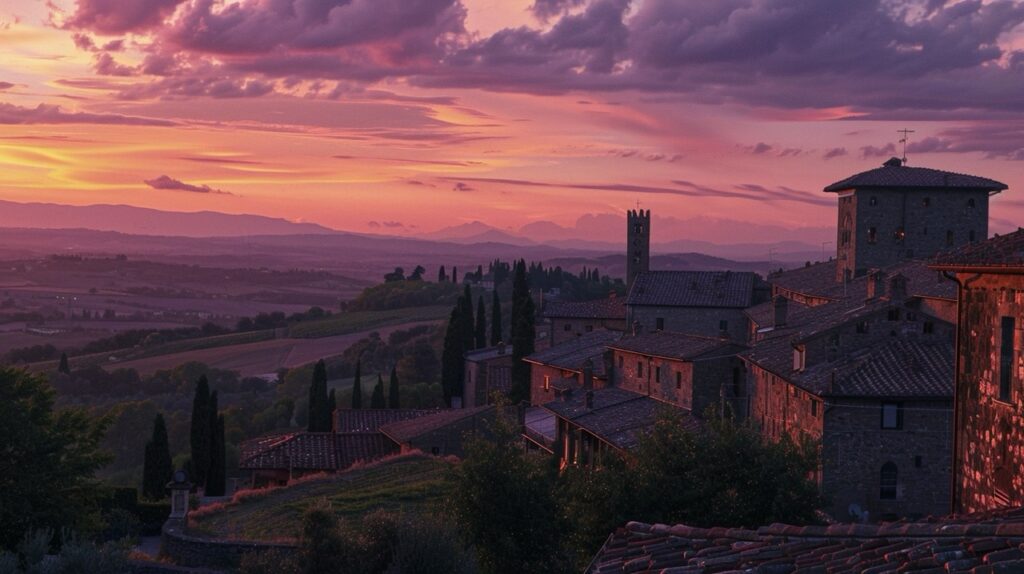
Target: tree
332,405
200,430
496,336
480,334
498,479
466,314
49,459
455,274
523,334
377,401
157,467
397,275
453,362
417,273
217,478
63,367
319,409
357,387
393,402
441,275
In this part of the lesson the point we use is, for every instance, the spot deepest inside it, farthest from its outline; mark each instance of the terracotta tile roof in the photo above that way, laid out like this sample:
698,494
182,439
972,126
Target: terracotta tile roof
407,430
489,353
370,420
571,355
893,368
893,175
608,308
819,280
313,451
619,417
979,544
679,346
693,289
1003,252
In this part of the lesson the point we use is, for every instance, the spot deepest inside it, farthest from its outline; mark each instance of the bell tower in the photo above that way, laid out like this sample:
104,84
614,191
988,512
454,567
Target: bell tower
638,244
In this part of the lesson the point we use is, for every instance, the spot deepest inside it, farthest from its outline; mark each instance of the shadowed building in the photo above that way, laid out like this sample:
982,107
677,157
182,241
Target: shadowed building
989,440
570,319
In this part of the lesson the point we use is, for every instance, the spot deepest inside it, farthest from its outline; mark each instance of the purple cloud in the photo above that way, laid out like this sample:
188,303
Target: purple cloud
50,114
834,153
106,65
118,16
5,86
870,151
461,186
168,183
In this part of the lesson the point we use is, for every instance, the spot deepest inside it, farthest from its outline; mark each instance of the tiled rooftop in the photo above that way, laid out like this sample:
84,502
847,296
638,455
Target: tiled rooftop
678,346
608,308
313,451
982,544
693,289
819,280
407,430
618,416
489,353
571,355
893,175
370,420
1003,252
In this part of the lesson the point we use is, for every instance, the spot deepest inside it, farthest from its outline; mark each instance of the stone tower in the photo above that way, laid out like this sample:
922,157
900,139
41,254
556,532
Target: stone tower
895,212
638,244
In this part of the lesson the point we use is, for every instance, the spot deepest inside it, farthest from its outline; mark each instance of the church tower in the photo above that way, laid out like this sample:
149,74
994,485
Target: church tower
638,244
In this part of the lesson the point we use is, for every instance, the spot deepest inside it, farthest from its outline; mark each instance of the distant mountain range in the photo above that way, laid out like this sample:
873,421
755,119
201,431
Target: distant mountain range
593,234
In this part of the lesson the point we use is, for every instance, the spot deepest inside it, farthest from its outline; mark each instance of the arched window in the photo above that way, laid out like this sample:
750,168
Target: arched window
888,481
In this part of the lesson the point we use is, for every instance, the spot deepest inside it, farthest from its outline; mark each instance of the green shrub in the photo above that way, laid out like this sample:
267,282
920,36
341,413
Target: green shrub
270,562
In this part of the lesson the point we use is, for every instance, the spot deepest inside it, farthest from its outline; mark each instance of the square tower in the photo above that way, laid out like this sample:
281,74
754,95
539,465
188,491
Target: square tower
638,244
894,213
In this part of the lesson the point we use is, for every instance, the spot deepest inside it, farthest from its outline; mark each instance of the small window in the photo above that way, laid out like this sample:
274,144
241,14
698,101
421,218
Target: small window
814,408
872,235
873,201
924,231
970,203
679,380
926,202
639,368
659,324
862,327
892,416
622,361
547,382
723,325
894,314
911,316
949,238
435,451
568,327
799,359
970,236
657,374
1007,327
588,328
918,461
929,327
888,481
899,235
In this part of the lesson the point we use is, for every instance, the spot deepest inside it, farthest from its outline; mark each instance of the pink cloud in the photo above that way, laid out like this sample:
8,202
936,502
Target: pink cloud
168,183
51,114
120,16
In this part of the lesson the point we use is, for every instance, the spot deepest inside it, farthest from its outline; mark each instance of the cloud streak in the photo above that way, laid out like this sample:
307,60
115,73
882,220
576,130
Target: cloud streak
51,114
167,183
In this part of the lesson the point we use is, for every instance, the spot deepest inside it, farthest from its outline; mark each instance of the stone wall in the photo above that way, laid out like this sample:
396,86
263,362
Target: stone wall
854,448
196,552
692,320
567,329
779,408
692,385
990,431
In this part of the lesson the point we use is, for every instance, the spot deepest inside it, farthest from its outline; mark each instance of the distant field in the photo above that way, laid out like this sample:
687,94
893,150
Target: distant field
410,483
343,323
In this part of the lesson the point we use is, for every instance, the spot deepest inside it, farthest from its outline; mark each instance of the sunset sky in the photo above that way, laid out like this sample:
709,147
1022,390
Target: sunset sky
405,116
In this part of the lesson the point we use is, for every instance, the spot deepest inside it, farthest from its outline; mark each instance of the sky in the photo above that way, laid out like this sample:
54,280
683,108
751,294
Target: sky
407,116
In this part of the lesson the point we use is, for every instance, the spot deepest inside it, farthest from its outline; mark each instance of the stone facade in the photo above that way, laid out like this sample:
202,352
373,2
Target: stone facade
638,244
488,371
693,385
709,321
990,423
881,227
564,329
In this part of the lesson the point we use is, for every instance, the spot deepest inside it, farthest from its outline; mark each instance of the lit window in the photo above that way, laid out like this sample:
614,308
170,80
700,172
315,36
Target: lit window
892,416
547,382
888,481
899,235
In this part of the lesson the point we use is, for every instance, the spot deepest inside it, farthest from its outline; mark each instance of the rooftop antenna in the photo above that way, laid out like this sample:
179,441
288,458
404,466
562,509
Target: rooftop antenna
903,140
638,205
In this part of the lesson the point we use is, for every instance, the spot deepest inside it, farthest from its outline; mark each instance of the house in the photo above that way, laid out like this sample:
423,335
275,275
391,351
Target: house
488,371
690,371
564,367
442,433
988,452
592,423
570,319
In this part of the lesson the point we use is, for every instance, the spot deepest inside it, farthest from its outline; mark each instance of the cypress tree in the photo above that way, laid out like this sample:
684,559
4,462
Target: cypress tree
217,478
481,324
441,276
466,314
357,387
523,334
453,357
332,405
157,467
377,401
495,318
63,367
455,274
393,402
319,410
200,431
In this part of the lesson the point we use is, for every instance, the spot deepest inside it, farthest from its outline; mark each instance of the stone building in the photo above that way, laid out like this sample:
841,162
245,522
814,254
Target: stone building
488,371
895,212
570,319
638,244
690,371
700,302
988,455
443,433
565,367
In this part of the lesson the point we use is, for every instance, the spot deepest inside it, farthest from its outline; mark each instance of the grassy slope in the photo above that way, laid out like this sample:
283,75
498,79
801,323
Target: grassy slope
411,483
351,322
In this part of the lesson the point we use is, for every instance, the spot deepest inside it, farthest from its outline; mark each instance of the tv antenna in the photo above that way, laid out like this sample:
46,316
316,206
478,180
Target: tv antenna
903,140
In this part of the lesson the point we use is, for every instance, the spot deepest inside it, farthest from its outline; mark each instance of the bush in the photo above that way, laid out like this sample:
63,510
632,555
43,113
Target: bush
428,546
270,562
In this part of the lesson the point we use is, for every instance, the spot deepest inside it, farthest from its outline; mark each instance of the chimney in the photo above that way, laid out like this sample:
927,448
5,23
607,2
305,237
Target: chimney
636,328
589,399
897,287
588,375
876,284
781,310
501,347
